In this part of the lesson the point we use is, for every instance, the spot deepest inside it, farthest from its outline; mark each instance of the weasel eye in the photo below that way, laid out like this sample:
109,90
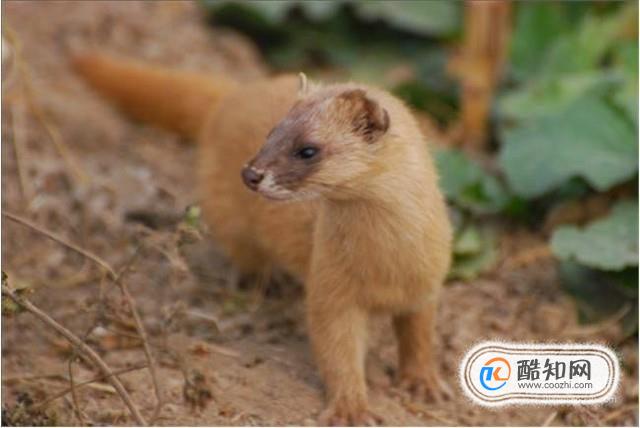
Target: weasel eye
306,152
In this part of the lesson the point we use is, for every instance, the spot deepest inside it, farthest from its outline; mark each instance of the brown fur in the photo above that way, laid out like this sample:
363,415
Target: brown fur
371,236
177,101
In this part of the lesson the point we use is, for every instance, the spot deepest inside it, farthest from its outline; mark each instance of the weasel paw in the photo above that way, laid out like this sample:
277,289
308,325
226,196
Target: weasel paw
341,414
426,387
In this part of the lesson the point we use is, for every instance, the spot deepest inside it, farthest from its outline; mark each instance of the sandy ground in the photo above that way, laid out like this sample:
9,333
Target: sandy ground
226,355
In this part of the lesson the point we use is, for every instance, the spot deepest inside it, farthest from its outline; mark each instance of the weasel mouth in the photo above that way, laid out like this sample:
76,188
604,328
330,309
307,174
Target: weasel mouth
264,183
270,189
283,194
276,196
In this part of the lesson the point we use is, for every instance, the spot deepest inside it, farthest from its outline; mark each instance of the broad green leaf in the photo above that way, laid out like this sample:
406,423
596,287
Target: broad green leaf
626,55
319,9
529,43
565,62
625,96
586,48
429,18
603,294
486,196
609,244
466,184
457,172
555,38
433,89
424,18
553,95
588,139
273,11
583,49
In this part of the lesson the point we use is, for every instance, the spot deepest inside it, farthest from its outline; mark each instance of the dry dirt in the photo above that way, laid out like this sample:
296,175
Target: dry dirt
121,190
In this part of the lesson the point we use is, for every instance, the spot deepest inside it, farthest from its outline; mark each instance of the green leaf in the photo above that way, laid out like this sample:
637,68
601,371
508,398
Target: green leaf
626,55
9,307
551,96
466,184
456,171
432,89
626,99
608,244
555,38
468,241
427,18
318,9
529,44
601,295
584,49
625,96
475,253
588,139
273,11
193,216
565,62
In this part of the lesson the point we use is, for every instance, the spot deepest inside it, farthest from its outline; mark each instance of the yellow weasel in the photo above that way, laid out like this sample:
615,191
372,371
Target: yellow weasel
364,225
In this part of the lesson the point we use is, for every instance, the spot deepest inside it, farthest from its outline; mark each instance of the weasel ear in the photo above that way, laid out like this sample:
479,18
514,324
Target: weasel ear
369,119
303,88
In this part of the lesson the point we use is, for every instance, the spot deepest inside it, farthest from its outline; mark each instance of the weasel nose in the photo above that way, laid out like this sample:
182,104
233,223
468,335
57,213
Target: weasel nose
251,177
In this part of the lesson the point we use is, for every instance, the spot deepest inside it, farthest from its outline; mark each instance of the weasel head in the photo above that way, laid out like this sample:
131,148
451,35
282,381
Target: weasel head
324,146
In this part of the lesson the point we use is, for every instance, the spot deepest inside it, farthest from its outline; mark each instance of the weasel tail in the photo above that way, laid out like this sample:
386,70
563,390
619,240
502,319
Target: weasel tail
177,101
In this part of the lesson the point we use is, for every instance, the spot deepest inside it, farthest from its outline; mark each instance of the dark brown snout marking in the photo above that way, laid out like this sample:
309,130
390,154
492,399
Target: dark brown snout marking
251,177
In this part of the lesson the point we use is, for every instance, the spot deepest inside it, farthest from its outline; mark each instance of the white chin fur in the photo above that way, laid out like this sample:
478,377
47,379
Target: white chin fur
271,190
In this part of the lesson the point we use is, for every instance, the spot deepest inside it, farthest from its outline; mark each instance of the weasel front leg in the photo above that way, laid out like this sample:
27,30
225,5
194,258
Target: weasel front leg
417,365
338,336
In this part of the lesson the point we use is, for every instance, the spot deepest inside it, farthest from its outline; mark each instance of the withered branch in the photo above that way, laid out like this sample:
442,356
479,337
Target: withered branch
117,279
79,344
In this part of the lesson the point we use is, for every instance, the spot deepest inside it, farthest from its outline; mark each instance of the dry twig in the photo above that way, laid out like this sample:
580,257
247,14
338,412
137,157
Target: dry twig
74,340
147,349
29,377
17,119
72,388
117,279
143,336
549,419
88,382
27,86
60,240
592,329
619,412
